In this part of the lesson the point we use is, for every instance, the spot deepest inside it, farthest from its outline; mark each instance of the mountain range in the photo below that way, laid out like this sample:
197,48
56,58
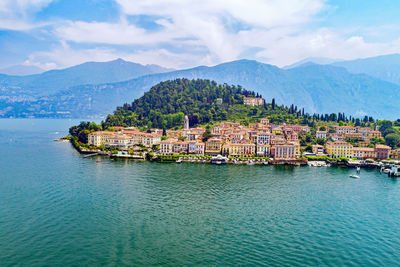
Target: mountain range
95,89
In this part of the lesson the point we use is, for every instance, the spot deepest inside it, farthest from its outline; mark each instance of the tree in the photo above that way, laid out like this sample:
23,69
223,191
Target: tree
207,134
273,104
320,141
322,128
392,139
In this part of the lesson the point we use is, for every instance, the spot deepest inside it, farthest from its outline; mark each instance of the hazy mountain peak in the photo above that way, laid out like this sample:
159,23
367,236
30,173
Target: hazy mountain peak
385,67
21,70
315,60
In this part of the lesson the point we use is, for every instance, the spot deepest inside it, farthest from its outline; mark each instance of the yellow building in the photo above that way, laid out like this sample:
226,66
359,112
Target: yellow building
339,149
241,150
213,146
100,138
374,134
395,154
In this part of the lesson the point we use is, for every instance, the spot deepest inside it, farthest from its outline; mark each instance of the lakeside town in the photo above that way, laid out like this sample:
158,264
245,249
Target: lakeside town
256,140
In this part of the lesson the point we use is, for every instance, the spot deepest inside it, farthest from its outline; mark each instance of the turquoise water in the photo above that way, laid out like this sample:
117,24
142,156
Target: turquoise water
59,209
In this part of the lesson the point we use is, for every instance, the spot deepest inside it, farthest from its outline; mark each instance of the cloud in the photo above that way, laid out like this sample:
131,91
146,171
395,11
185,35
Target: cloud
64,55
208,32
16,14
209,25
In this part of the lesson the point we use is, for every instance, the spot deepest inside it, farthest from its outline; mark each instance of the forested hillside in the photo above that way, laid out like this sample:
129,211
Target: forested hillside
166,104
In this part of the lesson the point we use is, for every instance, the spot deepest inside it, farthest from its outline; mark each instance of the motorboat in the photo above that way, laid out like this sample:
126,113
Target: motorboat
354,176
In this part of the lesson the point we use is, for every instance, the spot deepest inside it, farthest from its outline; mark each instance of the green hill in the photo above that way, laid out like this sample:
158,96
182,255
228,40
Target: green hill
166,104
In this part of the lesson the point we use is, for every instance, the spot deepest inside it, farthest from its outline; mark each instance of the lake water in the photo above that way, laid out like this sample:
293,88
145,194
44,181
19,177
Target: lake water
59,209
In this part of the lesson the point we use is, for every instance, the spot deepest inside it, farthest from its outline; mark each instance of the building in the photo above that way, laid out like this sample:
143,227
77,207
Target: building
100,138
149,139
263,150
364,131
213,146
345,129
375,134
239,150
218,101
166,146
318,150
284,152
321,134
339,149
263,139
382,151
264,121
119,141
364,153
395,154
253,101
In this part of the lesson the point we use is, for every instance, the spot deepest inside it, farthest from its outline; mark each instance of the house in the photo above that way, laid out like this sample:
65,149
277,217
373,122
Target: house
345,129
263,150
395,154
337,137
375,134
321,134
100,138
382,151
263,139
119,141
364,153
339,149
253,101
364,131
264,121
318,150
213,146
166,146
284,152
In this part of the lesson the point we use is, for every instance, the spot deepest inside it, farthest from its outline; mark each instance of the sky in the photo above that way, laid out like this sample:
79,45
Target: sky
180,34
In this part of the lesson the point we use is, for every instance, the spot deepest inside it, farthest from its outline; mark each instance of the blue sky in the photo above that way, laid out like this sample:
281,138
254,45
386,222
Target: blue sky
179,34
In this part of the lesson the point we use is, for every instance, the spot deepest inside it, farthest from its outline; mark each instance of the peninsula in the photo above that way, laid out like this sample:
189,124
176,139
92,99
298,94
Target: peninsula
197,120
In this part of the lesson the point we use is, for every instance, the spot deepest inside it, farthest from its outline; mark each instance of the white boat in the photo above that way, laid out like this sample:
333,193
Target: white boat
179,160
354,176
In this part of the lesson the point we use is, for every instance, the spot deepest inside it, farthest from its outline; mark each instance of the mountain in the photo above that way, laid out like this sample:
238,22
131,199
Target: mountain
385,67
317,88
21,70
314,60
87,73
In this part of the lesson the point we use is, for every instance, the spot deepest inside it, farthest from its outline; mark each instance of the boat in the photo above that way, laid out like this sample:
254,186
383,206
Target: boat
354,176
179,160
250,163
219,160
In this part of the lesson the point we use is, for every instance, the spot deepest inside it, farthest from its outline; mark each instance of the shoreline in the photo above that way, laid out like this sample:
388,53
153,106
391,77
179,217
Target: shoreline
248,161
